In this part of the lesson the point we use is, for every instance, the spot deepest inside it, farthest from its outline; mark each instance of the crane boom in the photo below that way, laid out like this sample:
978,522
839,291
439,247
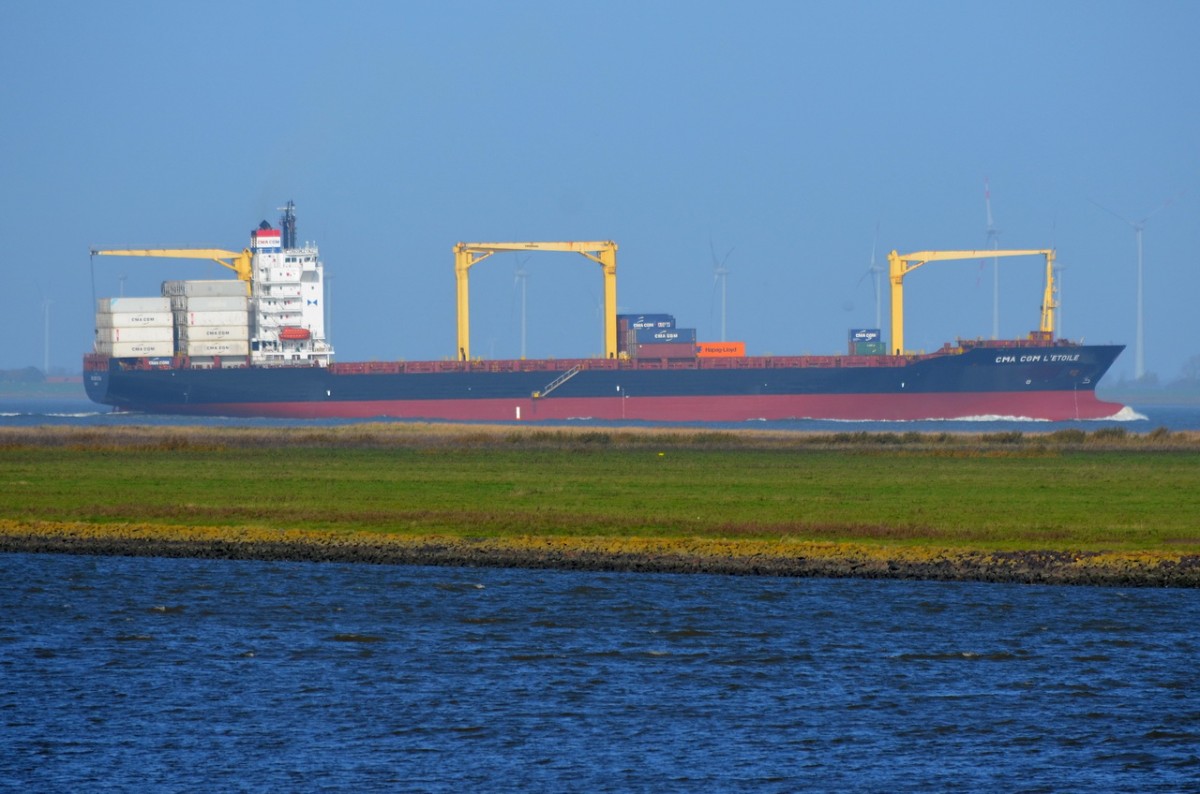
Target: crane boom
899,265
239,262
603,253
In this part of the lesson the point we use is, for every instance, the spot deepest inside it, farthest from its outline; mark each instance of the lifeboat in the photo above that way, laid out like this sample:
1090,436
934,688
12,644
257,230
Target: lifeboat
294,334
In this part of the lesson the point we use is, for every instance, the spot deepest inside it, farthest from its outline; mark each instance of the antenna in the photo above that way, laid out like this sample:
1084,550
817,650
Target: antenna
876,271
720,275
993,238
287,223
1139,357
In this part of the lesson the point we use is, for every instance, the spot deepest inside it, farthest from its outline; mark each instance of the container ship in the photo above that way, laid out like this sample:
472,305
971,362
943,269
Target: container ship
255,346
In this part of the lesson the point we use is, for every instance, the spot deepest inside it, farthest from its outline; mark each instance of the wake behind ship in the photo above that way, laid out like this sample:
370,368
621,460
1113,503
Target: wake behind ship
255,345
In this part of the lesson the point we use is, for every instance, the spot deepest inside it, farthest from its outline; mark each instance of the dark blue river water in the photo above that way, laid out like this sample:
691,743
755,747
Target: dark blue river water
120,674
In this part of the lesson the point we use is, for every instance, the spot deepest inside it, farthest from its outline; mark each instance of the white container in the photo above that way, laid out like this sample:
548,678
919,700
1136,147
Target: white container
205,289
132,319
193,348
214,333
133,305
190,318
153,333
182,303
135,349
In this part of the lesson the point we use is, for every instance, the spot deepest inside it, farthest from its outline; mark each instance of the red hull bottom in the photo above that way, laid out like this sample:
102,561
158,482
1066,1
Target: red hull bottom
1052,406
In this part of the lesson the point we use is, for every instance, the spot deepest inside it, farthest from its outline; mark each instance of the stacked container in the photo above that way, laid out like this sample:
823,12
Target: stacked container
634,330
866,342
720,349
662,336
654,336
212,318
134,327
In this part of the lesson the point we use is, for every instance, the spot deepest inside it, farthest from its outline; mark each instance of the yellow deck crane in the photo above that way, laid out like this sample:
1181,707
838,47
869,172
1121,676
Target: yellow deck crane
238,262
603,253
900,265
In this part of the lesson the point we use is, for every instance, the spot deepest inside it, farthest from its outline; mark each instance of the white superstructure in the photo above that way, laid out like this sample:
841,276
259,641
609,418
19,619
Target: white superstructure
273,314
288,300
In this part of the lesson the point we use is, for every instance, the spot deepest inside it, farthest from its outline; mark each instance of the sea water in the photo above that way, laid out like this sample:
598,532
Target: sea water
122,674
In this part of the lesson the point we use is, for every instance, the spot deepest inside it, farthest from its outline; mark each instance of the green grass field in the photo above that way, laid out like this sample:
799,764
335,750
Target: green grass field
1064,491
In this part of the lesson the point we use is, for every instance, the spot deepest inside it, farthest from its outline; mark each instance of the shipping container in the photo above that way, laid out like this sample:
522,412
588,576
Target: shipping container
183,303
210,333
864,335
636,321
211,318
152,333
648,336
206,289
867,349
132,305
721,349
132,319
135,349
226,348
677,350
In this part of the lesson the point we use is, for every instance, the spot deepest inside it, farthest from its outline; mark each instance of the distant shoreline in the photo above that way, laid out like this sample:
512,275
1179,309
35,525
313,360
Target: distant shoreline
44,390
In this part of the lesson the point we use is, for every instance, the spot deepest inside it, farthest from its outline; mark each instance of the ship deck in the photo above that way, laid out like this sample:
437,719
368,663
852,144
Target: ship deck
97,362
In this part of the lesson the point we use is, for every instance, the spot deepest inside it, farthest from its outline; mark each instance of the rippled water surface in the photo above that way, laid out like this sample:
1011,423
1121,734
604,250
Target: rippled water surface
128,674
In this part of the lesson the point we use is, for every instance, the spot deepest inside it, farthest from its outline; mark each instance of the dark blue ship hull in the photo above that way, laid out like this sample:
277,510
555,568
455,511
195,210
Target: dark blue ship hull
1051,381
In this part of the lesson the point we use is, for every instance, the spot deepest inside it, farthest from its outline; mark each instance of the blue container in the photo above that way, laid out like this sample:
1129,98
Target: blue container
650,336
639,321
864,335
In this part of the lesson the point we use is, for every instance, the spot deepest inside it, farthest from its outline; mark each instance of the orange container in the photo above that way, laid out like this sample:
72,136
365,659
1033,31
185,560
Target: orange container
720,349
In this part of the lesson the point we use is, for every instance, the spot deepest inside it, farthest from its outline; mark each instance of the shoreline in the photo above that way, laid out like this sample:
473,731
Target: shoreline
783,558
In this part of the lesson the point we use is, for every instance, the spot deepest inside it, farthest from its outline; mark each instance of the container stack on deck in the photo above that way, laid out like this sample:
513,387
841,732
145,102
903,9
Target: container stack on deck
134,327
654,336
866,342
212,319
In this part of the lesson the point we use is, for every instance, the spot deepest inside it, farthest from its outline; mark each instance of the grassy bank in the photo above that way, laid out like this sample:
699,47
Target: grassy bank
861,504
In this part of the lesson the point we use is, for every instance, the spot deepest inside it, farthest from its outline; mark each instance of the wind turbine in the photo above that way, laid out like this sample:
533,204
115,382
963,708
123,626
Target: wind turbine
721,276
993,238
46,336
876,271
521,278
1139,353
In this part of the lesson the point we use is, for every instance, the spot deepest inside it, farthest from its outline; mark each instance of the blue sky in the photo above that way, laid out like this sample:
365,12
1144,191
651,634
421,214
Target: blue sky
779,135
